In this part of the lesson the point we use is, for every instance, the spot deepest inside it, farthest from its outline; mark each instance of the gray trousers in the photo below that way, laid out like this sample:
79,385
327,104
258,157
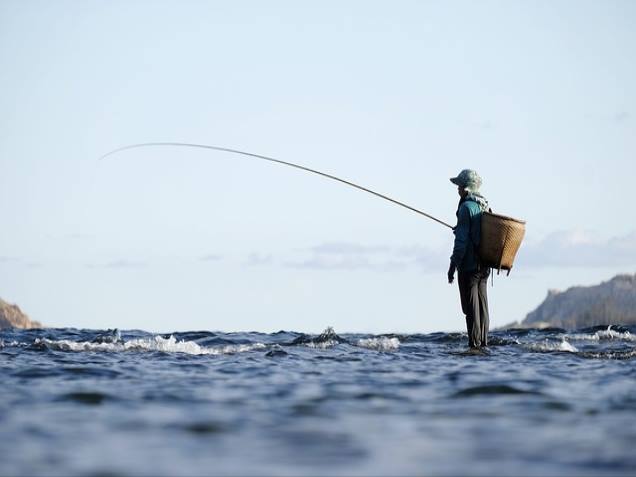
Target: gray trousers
473,288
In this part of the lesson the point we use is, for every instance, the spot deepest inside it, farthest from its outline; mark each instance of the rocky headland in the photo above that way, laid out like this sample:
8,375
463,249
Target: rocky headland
12,317
611,303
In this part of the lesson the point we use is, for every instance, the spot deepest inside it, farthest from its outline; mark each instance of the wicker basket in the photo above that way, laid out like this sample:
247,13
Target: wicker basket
501,237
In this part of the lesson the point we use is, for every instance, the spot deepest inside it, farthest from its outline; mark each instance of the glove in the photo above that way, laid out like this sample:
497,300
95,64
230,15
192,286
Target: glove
451,273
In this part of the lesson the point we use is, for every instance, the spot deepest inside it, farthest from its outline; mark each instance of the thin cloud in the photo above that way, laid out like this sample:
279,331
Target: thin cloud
565,248
356,256
258,259
20,262
120,264
352,263
79,236
210,258
348,248
622,116
486,125
424,258
579,248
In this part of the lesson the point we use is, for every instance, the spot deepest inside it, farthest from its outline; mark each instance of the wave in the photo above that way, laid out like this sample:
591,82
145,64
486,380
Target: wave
321,344
156,343
9,344
605,334
609,354
437,337
329,338
609,342
382,343
326,339
550,346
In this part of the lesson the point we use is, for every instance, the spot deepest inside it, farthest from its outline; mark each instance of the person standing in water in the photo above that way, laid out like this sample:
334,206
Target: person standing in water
472,276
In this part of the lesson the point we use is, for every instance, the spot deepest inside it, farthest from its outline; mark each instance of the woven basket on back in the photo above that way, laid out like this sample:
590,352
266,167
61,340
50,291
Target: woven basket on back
501,237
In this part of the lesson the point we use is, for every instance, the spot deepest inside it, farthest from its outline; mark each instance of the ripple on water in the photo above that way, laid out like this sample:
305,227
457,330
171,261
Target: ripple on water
35,373
319,447
492,389
276,353
91,371
552,405
202,428
91,398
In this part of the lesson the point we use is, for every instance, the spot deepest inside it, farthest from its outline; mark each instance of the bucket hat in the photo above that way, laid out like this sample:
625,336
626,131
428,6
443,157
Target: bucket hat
468,179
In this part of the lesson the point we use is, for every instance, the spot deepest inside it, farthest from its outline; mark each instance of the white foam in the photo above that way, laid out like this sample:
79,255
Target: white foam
612,355
322,344
10,344
380,344
563,345
156,343
608,334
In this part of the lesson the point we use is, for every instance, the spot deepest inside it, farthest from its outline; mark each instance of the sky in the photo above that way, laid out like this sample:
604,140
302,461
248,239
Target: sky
538,96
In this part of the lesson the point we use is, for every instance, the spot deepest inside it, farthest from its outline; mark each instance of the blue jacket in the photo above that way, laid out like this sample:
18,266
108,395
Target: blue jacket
467,235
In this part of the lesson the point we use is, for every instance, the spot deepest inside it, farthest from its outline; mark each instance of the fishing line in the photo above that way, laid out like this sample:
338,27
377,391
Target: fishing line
271,159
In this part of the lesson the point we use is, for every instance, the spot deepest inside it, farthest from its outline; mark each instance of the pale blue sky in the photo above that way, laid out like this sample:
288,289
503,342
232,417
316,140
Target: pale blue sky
538,96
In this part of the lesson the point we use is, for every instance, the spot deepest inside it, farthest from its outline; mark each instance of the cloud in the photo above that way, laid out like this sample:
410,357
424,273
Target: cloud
565,248
338,248
355,256
120,264
579,248
20,262
210,258
486,125
78,236
622,117
424,258
257,259
322,262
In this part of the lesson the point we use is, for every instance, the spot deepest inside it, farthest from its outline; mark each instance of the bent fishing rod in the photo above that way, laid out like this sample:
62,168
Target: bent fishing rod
278,161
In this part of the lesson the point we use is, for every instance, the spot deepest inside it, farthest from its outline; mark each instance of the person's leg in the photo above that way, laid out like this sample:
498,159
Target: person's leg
469,293
483,308
464,290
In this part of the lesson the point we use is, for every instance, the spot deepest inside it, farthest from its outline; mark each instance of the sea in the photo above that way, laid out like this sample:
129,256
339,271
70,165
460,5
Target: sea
536,402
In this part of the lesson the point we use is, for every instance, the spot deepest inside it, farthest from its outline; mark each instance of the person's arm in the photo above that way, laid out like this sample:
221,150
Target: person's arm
462,239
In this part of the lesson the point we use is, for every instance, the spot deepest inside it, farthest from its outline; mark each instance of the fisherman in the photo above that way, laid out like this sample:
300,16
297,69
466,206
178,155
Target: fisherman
472,276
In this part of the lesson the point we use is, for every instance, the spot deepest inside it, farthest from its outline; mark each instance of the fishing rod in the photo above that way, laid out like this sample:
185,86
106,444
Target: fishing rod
271,159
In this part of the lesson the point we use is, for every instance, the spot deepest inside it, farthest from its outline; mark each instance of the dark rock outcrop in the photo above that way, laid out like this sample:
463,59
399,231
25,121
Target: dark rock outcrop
12,317
612,302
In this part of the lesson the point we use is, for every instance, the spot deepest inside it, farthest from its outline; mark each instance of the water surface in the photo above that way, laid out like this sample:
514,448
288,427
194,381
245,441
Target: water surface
538,402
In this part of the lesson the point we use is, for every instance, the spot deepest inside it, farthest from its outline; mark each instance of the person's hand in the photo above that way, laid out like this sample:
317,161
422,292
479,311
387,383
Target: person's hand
451,273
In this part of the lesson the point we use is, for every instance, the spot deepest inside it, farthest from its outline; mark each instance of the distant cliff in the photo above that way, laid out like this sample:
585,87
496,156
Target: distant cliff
611,302
12,317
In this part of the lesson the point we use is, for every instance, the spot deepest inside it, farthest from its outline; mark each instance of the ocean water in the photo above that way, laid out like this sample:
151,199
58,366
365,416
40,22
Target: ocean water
110,403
